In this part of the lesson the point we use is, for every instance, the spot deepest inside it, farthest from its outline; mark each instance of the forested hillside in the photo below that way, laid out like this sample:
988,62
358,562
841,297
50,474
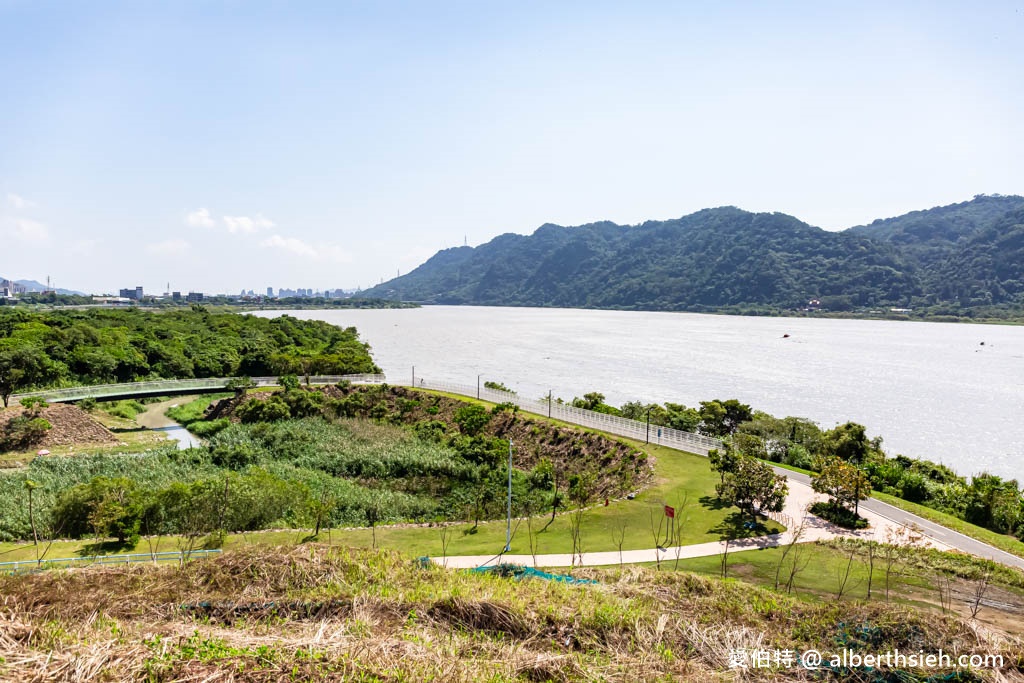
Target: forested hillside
99,346
950,259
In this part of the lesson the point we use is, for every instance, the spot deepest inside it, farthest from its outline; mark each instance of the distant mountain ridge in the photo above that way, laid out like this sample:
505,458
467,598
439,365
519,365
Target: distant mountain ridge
953,257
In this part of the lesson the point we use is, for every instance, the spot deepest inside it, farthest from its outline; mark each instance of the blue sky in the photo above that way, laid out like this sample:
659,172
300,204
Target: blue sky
227,145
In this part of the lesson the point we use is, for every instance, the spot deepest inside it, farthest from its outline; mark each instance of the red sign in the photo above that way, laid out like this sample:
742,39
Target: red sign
670,511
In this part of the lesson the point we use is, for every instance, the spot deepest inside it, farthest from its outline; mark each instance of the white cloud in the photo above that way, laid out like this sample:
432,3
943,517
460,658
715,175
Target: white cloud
200,218
415,257
318,252
247,224
331,252
296,246
84,247
170,247
19,202
29,231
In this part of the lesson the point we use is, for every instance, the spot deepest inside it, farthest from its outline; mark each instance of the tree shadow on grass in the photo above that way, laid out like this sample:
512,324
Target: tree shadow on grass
737,527
713,503
104,548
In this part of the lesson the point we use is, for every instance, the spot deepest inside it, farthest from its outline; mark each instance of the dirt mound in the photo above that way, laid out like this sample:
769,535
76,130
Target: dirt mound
70,426
617,468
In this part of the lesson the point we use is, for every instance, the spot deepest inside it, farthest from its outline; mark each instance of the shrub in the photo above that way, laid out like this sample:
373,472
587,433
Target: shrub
33,404
235,457
839,516
270,410
472,419
207,428
126,409
303,403
24,431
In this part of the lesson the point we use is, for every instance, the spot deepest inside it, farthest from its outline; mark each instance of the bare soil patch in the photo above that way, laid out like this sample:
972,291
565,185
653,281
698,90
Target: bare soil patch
70,426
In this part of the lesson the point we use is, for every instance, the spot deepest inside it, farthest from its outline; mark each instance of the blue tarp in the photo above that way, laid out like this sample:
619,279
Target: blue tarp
518,572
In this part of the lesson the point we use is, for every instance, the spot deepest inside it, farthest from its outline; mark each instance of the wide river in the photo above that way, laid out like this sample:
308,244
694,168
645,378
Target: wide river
949,392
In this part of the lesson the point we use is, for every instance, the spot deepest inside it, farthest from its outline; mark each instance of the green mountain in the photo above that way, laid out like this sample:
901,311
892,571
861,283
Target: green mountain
967,254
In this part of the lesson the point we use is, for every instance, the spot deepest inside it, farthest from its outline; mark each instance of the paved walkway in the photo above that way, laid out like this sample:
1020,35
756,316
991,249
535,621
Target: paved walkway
800,497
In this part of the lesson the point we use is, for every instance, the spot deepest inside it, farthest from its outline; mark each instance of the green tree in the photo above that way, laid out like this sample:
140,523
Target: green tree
723,460
712,418
104,507
678,416
21,366
753,487
845,484
849,442
722,418
590,401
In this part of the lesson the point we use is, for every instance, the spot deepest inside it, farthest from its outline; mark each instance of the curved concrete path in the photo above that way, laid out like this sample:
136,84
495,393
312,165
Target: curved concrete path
882,529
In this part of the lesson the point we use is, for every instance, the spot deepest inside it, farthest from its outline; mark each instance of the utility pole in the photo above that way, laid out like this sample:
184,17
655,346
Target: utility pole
648,438
549,404
508,522
478,386
414,377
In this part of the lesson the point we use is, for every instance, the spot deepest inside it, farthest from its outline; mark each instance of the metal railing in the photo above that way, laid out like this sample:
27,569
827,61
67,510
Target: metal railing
613,424
633,429
23,566
154,388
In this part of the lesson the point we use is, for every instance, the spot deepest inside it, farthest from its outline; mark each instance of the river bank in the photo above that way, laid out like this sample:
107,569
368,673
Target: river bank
940,391
154,418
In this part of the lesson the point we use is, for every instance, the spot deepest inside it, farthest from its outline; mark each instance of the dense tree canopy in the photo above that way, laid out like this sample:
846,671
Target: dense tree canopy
104,346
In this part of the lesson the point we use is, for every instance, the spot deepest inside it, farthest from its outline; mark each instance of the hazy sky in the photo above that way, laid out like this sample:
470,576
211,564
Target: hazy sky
222,145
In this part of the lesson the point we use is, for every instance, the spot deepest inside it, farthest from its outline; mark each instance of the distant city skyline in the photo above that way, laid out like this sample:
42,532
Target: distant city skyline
220,145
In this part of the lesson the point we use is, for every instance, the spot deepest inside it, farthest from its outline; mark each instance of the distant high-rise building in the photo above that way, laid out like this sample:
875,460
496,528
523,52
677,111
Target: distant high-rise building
194,296
270,292
176,296
134,294
10,289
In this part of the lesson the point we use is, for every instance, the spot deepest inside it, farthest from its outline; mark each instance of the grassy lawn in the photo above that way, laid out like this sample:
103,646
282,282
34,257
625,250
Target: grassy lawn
820,578
791,468
193,410
824,569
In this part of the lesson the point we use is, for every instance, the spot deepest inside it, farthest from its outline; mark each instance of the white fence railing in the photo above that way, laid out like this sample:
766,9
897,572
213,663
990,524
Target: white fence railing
22,566
155,387
613,424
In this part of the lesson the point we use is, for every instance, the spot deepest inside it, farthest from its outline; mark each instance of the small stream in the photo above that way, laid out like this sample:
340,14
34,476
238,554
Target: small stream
184,438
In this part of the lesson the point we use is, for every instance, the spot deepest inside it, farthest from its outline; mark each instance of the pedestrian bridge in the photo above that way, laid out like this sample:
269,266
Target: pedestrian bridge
613,424
176,387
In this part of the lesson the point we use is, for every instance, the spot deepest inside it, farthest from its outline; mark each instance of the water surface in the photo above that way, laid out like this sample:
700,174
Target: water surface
946,391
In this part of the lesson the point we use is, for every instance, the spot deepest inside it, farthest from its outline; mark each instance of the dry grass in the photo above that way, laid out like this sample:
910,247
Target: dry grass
316,613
